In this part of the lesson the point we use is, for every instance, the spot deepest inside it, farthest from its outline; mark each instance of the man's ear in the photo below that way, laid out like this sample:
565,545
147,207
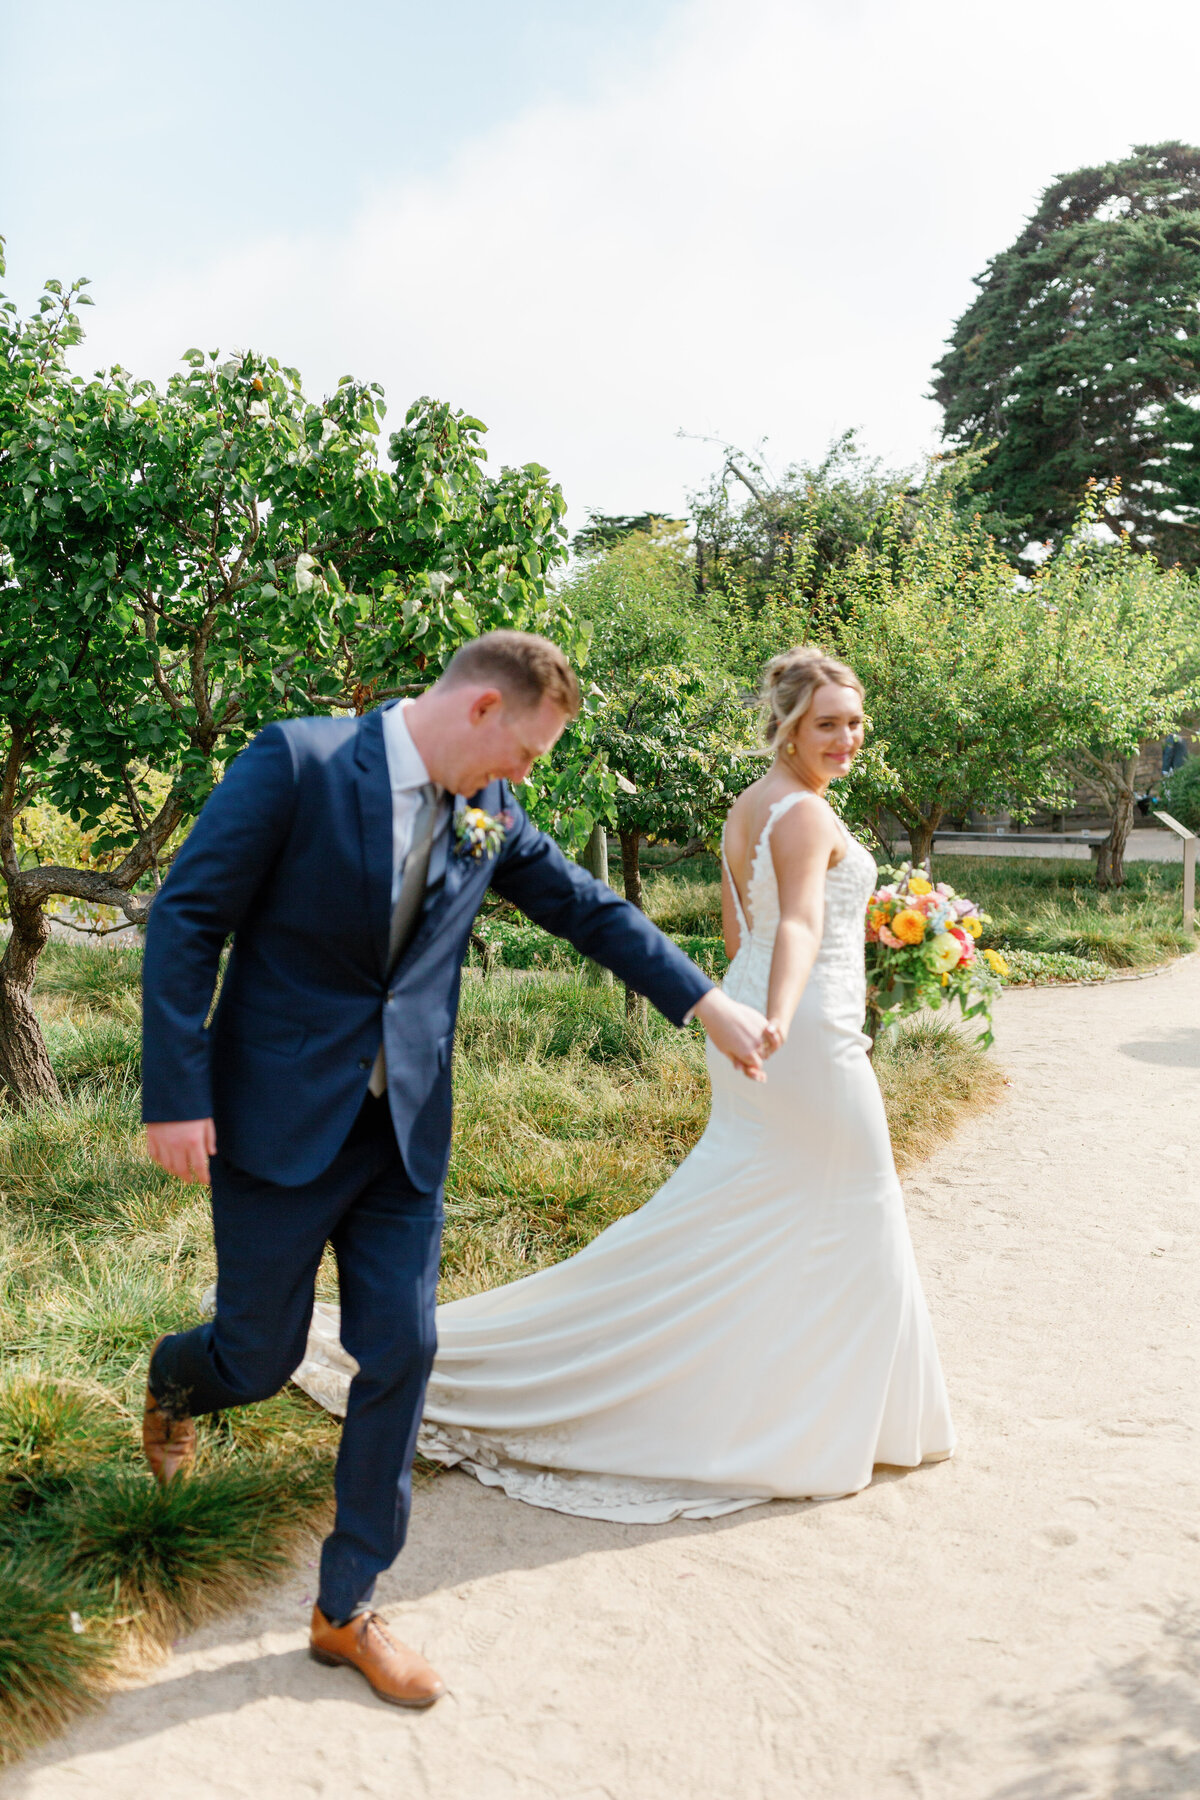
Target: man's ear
485,703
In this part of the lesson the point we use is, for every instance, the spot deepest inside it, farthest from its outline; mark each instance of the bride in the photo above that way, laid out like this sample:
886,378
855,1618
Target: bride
757,1330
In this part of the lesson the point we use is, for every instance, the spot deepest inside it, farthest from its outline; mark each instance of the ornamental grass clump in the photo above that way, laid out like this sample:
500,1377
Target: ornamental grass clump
49,1669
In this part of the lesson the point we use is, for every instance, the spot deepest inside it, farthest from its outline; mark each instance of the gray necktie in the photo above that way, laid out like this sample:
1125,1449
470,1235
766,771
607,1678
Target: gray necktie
407,909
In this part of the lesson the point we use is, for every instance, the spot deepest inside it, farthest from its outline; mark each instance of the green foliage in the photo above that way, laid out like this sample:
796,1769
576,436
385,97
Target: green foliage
773,539
48,1670
1045,968
161,1552
638,598
1050,907
188,563
1080,357
667,721
604,531
519,945
1122,637
681,739
950,650
181,564
1179,794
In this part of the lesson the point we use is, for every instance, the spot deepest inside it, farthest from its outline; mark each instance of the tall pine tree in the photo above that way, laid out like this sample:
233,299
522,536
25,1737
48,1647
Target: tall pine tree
1080,357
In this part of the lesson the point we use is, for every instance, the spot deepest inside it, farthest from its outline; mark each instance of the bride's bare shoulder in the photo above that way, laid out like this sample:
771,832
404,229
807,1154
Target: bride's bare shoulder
747,811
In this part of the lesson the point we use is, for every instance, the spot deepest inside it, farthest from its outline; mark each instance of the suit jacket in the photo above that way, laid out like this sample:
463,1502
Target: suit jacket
293,854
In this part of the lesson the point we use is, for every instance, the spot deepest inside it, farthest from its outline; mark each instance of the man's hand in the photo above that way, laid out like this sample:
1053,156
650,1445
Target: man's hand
737,1031
183,1147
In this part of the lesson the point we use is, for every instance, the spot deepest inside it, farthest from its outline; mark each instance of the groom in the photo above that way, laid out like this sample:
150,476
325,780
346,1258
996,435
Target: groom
343,858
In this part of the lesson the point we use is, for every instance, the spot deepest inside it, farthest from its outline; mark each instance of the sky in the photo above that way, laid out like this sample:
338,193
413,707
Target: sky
595,224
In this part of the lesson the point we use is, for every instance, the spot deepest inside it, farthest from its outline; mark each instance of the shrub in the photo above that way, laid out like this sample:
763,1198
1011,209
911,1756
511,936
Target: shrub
1041,968
1180,794
48,1669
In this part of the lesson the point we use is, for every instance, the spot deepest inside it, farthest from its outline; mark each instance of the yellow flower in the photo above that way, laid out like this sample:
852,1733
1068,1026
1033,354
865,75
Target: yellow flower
918,885
947,951
909,926
972,924
995,962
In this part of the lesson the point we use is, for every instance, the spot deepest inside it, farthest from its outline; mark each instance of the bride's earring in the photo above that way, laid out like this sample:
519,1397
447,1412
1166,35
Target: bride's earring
791,749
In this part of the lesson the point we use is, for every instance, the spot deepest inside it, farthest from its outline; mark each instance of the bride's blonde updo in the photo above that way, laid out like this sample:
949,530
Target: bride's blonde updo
789,683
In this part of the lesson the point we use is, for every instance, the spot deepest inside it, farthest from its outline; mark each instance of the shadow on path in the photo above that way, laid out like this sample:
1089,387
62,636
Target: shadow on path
1132,1733
1176,1049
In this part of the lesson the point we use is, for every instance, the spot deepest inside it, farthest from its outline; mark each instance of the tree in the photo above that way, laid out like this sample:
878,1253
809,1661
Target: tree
182,565
604,530
1080,357
676,739
786,535
959,693
667,719
638,598
1125,637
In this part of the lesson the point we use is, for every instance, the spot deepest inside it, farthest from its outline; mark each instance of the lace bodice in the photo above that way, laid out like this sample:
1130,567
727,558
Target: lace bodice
839,972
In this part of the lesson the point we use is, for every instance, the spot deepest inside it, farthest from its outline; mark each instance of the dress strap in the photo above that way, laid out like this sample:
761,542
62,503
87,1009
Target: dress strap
777,812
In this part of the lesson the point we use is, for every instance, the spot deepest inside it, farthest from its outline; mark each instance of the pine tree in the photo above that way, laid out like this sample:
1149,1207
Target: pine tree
1080,357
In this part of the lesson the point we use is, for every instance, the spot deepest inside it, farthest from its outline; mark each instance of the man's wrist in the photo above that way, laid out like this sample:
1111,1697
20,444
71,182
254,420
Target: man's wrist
693,1011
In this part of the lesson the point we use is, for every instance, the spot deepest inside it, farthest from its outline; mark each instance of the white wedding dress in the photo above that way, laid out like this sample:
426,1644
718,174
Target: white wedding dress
756,1331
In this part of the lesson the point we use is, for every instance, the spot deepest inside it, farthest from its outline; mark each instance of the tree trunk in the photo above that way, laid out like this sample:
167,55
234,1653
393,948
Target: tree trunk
25,1069
486,952
594,858
1110,864
920,836
631,872
635,1004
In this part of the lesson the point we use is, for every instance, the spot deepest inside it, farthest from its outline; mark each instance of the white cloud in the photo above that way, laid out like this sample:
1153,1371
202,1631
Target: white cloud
765,229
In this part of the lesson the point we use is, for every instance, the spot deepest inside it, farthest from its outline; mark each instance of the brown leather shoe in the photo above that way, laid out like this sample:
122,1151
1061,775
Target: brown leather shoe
169,1443
398,1675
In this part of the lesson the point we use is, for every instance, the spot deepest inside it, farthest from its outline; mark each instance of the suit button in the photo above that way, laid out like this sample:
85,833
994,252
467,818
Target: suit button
363,1063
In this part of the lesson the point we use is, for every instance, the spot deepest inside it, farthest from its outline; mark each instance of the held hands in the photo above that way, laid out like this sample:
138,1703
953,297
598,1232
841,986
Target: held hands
183,1147
738,1032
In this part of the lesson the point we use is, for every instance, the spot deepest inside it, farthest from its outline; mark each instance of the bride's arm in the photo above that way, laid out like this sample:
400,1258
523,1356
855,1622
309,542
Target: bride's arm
802,844
730,929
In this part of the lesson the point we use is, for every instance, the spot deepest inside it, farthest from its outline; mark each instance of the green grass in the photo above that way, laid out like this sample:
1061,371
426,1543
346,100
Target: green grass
1053,907
1041,907
569,1115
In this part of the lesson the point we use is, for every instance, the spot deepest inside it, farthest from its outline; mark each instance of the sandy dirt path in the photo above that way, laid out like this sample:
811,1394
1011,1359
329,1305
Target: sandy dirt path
1020,1624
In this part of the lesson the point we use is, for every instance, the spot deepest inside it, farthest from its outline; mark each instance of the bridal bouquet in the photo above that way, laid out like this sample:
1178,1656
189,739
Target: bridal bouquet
922,951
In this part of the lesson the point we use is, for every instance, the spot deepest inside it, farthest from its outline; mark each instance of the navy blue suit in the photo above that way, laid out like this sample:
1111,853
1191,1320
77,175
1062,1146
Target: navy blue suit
293,855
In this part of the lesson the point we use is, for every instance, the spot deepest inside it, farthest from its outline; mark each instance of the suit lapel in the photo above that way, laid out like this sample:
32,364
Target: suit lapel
374,794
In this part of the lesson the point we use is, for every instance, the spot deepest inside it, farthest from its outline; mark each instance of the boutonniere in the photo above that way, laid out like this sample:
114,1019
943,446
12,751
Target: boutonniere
479,834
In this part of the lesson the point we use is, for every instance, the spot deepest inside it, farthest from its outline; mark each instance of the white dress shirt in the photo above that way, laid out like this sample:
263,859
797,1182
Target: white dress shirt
408,775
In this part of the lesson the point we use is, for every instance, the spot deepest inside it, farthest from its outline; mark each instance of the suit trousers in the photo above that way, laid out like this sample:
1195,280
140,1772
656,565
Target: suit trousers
386,1236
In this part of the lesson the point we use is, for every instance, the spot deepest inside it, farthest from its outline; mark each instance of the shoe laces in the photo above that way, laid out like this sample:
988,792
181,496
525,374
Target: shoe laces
373,1622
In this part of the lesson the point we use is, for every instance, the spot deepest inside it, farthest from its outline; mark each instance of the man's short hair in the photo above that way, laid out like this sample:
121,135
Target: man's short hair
526,668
